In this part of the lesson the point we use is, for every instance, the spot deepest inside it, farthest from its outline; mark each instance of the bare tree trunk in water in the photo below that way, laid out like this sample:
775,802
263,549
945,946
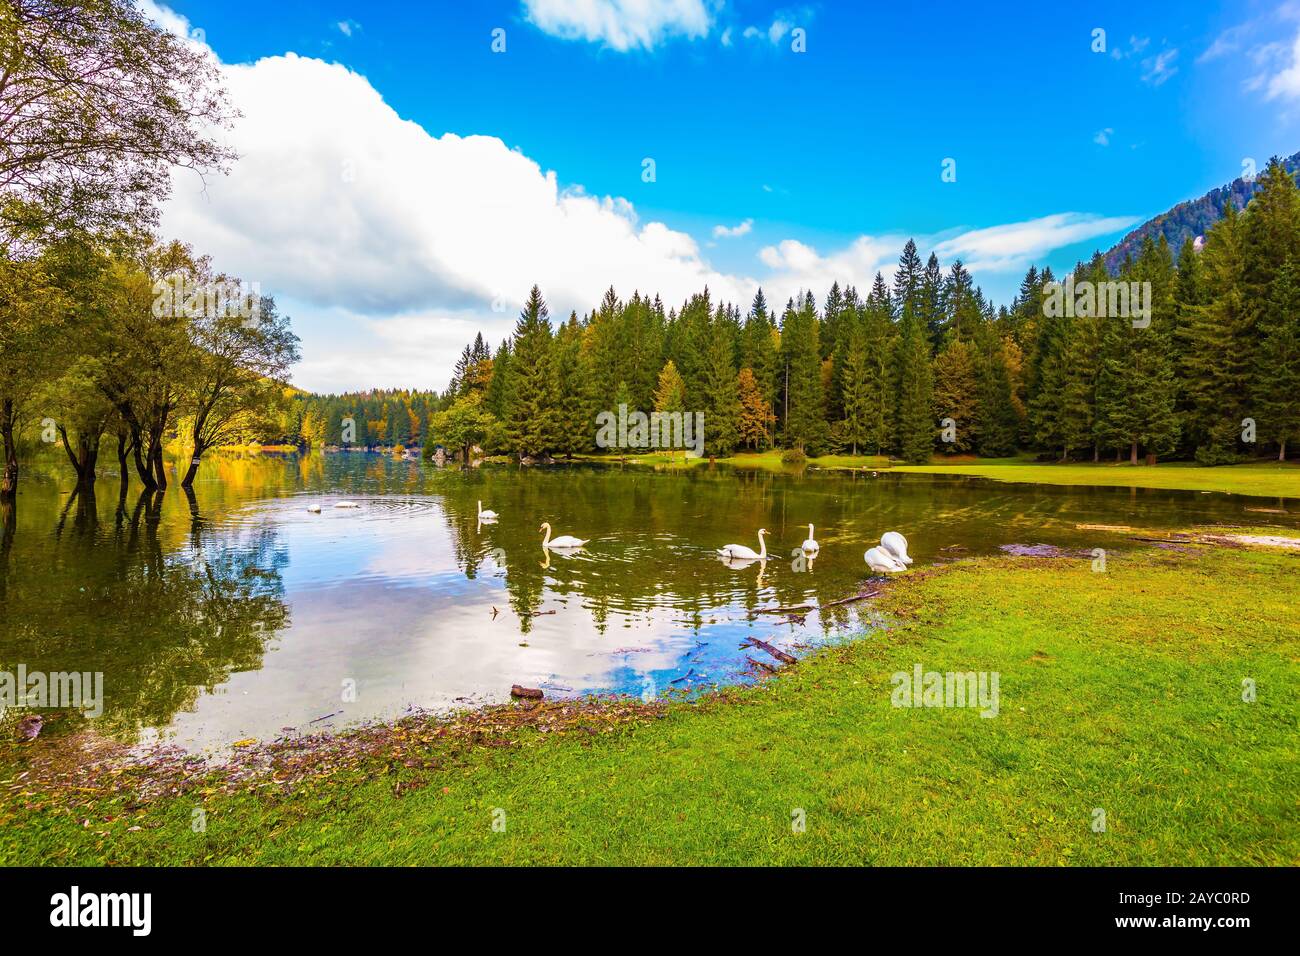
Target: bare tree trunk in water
156,456
8,526
141,468
9,484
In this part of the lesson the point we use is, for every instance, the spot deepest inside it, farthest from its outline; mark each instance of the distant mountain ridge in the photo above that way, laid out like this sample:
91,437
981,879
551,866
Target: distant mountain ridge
1189,219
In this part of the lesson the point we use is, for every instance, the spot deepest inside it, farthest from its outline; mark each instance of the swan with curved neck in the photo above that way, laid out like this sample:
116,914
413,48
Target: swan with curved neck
485,515
811,546
740,552
882,561
563,541
896,545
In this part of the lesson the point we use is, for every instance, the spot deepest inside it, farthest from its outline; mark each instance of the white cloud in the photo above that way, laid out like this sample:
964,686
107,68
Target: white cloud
1157,69
1285,83
1015,245
1102,138
733,232
620,24
390,247
348,27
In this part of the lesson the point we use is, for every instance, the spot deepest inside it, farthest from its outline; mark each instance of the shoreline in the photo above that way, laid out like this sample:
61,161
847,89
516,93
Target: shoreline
493,747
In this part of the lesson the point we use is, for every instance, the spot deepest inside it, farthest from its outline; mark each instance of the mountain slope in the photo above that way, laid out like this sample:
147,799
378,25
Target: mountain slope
1188,219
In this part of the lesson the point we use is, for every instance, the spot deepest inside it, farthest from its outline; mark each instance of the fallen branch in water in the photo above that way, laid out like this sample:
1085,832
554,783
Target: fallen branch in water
856,597
783,610
528,693
770,668
776,652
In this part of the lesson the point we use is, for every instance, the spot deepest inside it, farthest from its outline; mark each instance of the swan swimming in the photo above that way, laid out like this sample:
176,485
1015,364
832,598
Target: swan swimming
486,515
896,544
882,561
346,504
734,552
563,541
314,509
811,546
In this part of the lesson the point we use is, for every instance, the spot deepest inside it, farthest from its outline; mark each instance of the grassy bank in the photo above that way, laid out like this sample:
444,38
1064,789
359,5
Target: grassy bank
1270,479
1261,479
1119,690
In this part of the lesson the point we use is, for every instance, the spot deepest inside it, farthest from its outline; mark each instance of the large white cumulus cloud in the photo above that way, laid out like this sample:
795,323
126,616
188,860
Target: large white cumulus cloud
390,247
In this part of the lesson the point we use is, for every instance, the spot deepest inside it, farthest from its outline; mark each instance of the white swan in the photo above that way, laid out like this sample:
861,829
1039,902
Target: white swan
563,541
896,544
486,515
811,546
738,552
346,504
882,561
314,508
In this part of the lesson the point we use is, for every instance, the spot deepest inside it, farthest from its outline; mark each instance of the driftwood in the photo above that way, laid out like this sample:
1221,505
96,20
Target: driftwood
528,693
678,680
763,664
776,652
856,597
783,610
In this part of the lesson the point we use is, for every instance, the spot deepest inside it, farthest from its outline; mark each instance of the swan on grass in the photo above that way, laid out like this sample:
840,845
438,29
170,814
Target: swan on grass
882,561
896,544
811,546
486,515
738,552
563,541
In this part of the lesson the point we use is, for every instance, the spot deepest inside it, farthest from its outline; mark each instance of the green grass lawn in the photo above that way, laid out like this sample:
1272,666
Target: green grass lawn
1119,690
1262,479
1269,479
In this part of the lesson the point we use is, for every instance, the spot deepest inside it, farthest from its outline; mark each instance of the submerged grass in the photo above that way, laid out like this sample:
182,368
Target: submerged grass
1119,691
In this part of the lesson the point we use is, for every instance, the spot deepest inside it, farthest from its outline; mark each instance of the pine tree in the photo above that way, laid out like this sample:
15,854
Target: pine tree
1135,389
756,417
955,393
915,429
532,408
804,426
1276,398
856,398
670,392
1216,356
575,418
760,351
721,404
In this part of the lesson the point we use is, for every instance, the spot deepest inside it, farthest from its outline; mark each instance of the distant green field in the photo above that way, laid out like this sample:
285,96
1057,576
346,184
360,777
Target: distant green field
1262,479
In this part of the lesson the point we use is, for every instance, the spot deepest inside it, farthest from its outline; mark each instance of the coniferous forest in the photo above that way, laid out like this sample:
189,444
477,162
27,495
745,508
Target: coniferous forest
921,365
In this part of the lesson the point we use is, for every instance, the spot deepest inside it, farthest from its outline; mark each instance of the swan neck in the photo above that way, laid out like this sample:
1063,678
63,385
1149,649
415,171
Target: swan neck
762,547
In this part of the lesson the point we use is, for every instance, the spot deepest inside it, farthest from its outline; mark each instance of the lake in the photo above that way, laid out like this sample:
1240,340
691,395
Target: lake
239,613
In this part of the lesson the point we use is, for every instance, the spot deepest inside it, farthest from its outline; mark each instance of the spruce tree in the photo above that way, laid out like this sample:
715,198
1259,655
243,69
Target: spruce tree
721,406
1276,399
532,407
804,426
955,393
915,429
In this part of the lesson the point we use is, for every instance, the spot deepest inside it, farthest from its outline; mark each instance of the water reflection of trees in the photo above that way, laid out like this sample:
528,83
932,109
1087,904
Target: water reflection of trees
161,620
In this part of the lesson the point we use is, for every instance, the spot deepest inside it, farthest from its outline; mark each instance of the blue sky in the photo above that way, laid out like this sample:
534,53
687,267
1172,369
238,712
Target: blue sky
824,158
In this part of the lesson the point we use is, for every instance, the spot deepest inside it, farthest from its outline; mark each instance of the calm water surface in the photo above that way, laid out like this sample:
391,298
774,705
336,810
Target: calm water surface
238,613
